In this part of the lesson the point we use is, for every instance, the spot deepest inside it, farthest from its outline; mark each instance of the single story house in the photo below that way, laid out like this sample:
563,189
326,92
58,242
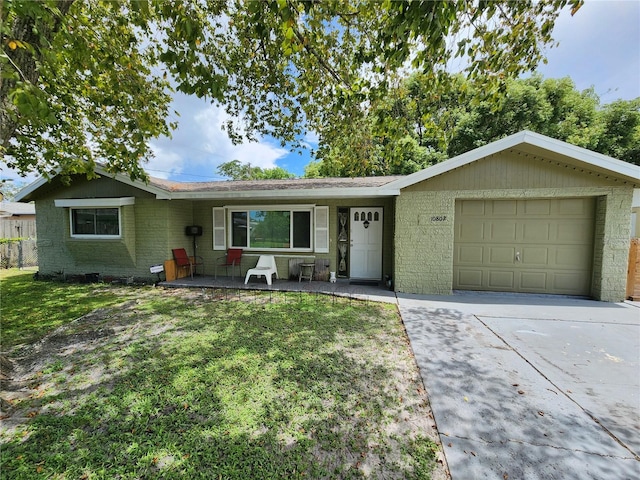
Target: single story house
526,213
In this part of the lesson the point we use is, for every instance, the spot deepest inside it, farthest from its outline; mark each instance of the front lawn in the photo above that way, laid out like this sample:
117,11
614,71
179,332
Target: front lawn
184,384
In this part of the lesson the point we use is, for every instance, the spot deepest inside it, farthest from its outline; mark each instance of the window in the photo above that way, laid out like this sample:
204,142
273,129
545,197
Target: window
95,217
98,222
272,228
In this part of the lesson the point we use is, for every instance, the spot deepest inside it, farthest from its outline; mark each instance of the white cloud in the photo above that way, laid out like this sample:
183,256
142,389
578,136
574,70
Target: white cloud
216,141
311,140
199,145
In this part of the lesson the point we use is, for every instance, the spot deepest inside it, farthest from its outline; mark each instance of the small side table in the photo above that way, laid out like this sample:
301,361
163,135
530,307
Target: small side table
306,271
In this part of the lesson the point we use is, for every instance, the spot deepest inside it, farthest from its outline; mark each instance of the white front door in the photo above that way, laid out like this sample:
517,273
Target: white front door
366,243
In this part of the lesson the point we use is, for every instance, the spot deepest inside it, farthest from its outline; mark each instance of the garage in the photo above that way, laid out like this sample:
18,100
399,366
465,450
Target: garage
524,245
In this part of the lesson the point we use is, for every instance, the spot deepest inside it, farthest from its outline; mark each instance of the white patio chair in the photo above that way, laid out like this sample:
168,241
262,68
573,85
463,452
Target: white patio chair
266,266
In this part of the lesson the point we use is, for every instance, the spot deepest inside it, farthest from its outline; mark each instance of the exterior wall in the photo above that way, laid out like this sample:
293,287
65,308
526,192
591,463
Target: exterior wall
203,215
151,228
127,256
424,229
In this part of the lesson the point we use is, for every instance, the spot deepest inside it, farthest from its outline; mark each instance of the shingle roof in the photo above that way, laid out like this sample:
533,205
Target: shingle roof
265,185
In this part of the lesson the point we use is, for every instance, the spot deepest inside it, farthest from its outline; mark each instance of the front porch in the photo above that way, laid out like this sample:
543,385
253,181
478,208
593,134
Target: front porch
342,288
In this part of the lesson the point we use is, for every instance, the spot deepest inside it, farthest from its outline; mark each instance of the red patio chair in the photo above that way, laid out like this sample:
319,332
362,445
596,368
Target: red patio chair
185,261
232,258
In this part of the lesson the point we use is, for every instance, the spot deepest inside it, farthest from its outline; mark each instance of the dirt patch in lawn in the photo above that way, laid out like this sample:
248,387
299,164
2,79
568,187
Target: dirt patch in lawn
301,378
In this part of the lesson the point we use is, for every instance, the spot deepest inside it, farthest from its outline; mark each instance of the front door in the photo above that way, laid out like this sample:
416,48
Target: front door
366,243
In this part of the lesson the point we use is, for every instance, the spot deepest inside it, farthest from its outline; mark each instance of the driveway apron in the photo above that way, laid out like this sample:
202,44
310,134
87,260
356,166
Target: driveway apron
530,387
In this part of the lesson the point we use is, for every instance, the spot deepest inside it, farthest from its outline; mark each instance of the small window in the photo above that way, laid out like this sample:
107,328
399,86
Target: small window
369,216
95,222
376,217
356,217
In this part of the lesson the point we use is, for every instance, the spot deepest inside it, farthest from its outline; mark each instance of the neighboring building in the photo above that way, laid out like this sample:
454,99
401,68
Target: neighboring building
524,214
17,220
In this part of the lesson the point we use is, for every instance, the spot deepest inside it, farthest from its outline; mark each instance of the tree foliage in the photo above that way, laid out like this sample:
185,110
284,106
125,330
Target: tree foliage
77,87
235,170
414,127
85,81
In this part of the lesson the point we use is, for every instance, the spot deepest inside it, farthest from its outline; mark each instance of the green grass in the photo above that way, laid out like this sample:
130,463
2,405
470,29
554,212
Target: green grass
46,305
181,384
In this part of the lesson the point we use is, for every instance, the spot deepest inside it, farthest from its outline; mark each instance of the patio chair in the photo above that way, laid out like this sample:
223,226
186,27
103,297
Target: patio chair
232,258
185,261
266,266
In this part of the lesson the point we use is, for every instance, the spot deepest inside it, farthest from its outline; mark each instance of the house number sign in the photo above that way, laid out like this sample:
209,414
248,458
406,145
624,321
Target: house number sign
439,218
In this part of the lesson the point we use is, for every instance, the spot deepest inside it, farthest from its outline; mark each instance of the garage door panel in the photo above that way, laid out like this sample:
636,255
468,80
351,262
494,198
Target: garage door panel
571,283
503,231
536,231
504,207
538,246
537,207
472,231
502,255
573,206
501,280
469,279
472,207
470,254
570,256
535,256
575,231
533,281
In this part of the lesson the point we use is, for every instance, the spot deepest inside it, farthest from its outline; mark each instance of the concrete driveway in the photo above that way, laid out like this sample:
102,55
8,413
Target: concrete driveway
530,387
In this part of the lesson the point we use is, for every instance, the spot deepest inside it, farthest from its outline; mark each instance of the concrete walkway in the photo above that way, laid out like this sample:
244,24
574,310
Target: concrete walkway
530,387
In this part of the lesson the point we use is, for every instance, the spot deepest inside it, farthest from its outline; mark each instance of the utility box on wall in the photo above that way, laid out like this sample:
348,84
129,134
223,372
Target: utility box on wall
193,230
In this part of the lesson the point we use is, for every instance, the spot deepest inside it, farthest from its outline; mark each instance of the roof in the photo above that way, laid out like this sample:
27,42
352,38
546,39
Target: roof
11,209
288,188
235,189
367,187
536,144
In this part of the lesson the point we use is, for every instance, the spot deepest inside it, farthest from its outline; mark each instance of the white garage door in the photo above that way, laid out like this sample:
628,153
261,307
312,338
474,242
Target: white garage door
534,246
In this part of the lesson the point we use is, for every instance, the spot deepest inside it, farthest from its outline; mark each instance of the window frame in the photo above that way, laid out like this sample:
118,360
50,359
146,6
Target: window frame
247,209
95,236
94,204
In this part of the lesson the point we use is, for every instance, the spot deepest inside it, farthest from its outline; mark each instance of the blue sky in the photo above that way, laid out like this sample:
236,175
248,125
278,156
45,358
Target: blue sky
599,47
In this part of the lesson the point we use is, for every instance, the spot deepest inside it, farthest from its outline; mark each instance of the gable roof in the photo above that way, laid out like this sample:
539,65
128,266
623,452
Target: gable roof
361,187
535,144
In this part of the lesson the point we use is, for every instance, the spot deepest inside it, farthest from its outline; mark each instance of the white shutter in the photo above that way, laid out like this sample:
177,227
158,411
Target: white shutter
321,229
219,231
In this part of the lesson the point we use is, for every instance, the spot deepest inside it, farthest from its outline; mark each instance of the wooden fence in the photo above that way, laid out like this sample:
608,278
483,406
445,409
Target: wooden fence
633,271
10,228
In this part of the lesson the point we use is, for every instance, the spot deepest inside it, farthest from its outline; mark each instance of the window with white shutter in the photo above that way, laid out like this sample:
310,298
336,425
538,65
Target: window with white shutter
322,229
219,230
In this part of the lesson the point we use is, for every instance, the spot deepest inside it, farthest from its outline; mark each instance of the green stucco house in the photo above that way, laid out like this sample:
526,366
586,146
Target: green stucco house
523,214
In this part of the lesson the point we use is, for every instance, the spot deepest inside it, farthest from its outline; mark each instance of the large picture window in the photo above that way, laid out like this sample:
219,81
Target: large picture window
272,229
96,222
